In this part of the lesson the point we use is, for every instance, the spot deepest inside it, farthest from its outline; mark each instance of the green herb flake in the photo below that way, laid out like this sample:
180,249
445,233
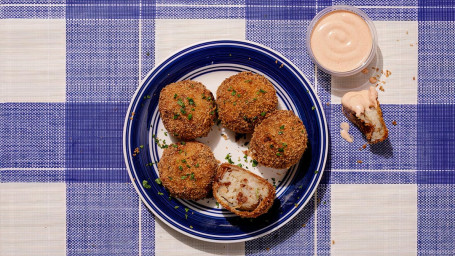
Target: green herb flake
180,102
204,97
176,207
271,146
281,149
175,96
197,165
217,205
165,133
284,144
313,108
191,227
239,165
278,154
170,178
158,181
248,81
176,116
186,216
141,146
192,176
315,172
184,177
182,142
282,127
212,112
180,167
300,186
145,184
186,209
255,163
175,145
263,113
190,101
188,166
160,193
183,160
209,98
280,133
228,157
262,91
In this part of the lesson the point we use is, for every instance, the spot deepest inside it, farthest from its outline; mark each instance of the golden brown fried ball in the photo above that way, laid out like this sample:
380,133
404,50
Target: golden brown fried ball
243,101
280,140
187,170
188,109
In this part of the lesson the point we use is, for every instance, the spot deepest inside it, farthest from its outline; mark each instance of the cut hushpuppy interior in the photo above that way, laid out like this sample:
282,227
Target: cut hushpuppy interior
363,109
242,192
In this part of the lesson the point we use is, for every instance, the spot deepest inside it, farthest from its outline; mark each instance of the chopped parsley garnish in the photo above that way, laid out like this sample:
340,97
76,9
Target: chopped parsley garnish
145,184
233,93
141,146
263,113
245,118
158,181
175,145
281,149
183,160
284,144
176,207
262,91
245,157
180,102
165,133
175,96
313,108
170,178
255,163
160,193
180,167
212,112
192,109
239,165
228,157
209,98
197,165
192,176
248,81
217,205
282,127
182,110
182,142
203,96
186,216
300,186
278,154
189,166
184,177
271,146
186,209
190,101
191,227
315,172
280,132
176,116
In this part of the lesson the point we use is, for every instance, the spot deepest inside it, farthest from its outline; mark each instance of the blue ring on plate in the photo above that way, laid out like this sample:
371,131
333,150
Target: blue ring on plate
293,83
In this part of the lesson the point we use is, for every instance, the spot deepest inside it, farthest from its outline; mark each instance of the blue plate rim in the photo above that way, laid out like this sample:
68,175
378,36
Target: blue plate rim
321,161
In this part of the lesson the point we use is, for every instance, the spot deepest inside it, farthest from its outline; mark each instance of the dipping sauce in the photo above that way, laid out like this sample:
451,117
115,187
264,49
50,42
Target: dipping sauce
341,41
359,101
345,132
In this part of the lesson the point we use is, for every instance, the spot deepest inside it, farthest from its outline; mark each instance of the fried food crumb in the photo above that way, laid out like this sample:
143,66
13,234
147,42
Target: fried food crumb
268,249
224,136
414,78
333,241
364,146
387,73
381,88
303,225
394,122
411,45
359,161
365,71
328,103
373,80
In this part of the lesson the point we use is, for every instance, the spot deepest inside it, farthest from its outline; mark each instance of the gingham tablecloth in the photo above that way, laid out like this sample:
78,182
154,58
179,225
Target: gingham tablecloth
67,73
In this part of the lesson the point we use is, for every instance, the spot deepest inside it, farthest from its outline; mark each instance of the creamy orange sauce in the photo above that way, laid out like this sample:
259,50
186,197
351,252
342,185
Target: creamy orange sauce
345,132
341,41
359,101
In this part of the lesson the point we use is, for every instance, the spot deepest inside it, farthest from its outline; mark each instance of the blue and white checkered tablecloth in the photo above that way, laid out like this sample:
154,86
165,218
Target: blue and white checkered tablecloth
69,68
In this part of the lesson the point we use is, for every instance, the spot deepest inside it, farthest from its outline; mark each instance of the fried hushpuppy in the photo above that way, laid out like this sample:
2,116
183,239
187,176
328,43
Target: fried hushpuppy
243,100
280,140
188,109
363,109
242,192
187,170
